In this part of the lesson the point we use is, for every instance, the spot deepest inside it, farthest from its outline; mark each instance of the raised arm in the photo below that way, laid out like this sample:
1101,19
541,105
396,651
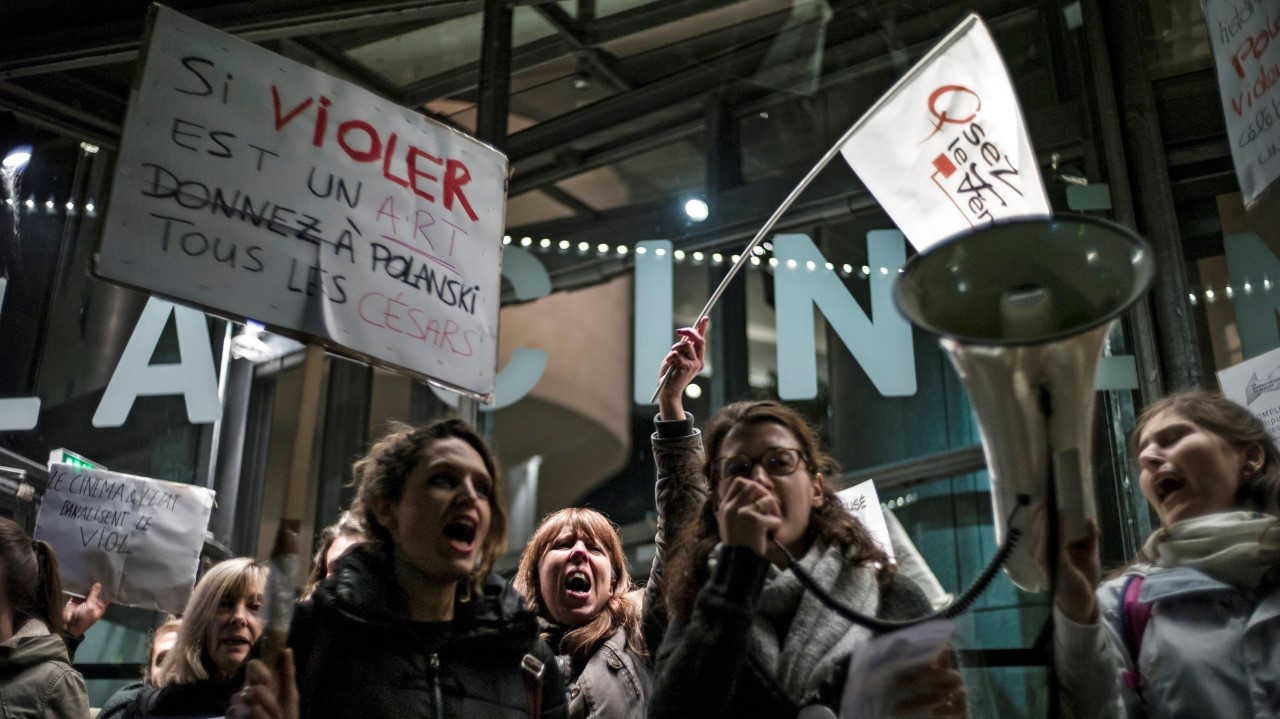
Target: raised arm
680,488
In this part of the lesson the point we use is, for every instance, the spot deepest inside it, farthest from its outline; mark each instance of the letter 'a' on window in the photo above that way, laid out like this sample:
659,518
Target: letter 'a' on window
883,347
193,377
529,280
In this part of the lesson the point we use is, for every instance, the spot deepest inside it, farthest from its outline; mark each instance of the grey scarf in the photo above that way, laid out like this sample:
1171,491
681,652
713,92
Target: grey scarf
799,640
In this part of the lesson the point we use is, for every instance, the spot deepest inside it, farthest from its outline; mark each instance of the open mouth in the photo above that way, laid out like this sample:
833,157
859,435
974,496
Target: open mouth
237,643
577,582
1167,485
461,531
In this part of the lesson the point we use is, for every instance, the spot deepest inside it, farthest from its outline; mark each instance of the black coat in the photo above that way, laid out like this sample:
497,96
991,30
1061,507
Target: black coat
359,655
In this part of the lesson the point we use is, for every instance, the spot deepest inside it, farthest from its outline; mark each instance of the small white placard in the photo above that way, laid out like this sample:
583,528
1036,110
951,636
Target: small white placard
140,538
1255,385
862,501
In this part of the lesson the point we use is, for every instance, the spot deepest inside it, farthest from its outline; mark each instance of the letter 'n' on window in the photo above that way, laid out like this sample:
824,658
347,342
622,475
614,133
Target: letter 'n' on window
882,346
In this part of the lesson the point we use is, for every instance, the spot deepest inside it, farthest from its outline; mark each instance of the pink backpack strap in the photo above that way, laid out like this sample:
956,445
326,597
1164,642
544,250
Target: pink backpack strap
1134,615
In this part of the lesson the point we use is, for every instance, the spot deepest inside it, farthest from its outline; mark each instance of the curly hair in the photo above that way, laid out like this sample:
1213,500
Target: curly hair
1238,427
829,522
381,474
619,612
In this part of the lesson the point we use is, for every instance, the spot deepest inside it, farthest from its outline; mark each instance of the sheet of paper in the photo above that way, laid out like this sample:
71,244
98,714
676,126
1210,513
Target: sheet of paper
871,688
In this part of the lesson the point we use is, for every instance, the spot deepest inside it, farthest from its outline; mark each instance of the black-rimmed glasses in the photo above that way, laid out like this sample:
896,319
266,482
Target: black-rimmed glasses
777,462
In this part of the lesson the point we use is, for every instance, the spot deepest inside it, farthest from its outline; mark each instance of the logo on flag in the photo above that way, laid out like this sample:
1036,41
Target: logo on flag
973,163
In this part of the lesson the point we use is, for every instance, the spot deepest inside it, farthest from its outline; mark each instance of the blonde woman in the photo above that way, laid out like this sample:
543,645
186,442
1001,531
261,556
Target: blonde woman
220,625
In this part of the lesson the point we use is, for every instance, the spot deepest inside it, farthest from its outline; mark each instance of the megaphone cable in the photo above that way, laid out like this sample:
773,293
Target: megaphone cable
958,607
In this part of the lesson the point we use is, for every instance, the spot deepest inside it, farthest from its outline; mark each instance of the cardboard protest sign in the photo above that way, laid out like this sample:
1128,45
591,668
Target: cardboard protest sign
1255,385
946,150
257,188
1241,33
862,502
141,538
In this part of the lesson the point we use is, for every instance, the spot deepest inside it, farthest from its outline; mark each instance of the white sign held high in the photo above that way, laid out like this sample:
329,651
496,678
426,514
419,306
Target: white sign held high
946,150
1255,385
141,538
258,188
1247,54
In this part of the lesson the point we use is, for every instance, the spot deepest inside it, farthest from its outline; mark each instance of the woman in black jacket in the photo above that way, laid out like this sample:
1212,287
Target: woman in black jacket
745,637
205,668
413,623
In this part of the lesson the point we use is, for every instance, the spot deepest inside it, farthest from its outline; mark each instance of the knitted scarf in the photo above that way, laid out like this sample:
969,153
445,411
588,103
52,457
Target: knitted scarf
1238,548
798,639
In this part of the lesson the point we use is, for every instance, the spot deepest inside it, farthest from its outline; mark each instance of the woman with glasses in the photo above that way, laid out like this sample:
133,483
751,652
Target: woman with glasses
745,638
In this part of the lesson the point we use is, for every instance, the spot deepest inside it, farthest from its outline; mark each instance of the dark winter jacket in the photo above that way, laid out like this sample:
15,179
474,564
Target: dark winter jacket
201,699
359,655
704,668
36,679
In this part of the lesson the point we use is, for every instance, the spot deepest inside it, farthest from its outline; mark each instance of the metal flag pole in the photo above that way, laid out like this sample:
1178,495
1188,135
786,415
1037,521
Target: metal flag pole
764,231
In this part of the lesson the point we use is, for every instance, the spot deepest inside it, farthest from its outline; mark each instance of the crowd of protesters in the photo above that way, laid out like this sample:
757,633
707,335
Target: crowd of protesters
403,614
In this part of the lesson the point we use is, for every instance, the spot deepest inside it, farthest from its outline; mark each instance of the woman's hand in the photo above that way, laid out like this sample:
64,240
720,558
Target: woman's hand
267,694
936,690
748,515
1079,568
685,360
80,613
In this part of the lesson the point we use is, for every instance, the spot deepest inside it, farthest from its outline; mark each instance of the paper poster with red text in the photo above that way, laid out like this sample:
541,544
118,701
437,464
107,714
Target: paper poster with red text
945,150
1245,36
255,187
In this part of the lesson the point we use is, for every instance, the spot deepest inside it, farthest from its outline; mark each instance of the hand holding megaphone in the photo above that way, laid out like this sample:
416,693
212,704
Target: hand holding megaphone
1079,566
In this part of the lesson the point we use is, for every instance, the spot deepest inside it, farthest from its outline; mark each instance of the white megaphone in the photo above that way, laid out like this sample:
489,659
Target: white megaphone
1022,308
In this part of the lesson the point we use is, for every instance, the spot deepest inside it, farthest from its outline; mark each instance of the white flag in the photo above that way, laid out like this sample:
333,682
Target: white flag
946,149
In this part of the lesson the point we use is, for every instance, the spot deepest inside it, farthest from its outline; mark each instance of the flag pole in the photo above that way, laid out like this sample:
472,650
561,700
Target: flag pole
764,230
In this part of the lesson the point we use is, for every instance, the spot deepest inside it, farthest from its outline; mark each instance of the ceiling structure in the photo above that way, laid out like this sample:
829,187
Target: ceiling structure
619,110
612,104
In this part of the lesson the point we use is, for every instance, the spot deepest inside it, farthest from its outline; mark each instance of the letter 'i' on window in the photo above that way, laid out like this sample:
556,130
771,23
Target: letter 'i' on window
883,347
193,377
17,413
529,280
653,315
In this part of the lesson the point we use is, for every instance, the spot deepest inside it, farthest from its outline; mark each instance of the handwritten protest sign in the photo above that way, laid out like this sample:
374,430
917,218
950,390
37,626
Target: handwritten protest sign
864,503
141,538
1247,54
256,187
1255,385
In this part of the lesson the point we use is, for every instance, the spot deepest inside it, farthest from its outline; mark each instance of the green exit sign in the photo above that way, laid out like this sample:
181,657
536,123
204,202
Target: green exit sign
66,456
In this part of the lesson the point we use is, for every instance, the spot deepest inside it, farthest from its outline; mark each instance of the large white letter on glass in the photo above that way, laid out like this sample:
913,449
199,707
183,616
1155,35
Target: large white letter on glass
653,313
883,348
529,281
194,377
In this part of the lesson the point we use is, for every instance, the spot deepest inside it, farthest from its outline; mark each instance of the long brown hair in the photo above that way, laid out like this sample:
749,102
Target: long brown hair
32,582
1238,427
619,612
829,522
381,474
